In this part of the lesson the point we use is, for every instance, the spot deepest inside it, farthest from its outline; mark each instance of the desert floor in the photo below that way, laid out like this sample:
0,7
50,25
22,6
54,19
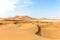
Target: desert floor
20,32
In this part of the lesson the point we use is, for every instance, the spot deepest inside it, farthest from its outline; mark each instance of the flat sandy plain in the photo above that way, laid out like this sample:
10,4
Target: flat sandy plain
29,30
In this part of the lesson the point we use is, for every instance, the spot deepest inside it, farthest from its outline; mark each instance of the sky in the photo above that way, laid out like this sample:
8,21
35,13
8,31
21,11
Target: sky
32,8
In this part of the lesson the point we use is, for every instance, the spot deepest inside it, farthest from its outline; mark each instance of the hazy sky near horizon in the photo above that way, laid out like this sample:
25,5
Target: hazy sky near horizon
33,8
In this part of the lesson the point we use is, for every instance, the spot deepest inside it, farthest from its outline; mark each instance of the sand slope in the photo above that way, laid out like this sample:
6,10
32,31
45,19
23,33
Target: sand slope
11,32
26,28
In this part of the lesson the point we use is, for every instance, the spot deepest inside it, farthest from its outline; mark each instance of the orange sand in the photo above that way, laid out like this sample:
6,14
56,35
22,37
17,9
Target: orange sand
26,28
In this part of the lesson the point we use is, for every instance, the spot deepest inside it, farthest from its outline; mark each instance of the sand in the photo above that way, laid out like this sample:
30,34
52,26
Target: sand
26,28
12,32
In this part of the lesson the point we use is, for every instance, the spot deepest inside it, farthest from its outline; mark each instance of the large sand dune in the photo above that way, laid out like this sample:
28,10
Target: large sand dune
13,32
26,28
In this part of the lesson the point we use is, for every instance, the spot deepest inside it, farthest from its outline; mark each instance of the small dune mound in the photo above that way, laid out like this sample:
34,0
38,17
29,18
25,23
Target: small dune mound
28,27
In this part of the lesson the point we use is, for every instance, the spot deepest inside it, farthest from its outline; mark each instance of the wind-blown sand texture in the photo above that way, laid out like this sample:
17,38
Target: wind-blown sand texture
26,28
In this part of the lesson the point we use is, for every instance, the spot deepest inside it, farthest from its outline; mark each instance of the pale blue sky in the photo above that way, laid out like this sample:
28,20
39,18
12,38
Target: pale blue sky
33,8
40,8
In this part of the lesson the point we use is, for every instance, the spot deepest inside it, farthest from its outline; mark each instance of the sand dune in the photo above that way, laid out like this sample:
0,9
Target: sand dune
12,32
26,28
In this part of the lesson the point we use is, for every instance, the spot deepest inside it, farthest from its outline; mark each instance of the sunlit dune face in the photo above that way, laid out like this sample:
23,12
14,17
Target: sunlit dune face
13,32
51,31
28,27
